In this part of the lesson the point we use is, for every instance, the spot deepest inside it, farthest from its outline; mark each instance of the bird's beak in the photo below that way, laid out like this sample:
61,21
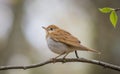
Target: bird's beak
44,27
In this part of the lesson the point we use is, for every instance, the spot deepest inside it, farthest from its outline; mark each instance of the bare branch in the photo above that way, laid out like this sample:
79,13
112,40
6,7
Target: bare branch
100,63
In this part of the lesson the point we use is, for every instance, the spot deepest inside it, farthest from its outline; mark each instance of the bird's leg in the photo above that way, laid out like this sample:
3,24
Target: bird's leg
53,59
76,54
65,57
59,55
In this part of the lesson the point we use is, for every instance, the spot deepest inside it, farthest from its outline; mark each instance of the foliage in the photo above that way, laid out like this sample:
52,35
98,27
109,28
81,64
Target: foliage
113,15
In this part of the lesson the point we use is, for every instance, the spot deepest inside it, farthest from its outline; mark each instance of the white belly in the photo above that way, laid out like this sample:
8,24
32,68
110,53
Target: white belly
57,47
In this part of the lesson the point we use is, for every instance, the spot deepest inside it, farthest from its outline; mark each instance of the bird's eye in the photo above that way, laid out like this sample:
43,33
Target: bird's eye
51,29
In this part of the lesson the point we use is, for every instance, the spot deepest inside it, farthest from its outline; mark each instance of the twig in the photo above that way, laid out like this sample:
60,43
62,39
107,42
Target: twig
100,63
117,9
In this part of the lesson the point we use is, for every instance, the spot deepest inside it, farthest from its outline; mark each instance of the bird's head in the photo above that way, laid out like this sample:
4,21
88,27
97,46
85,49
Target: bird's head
50,28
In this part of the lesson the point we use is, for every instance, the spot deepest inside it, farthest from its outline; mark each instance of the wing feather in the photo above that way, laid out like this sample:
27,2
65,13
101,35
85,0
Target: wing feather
65,37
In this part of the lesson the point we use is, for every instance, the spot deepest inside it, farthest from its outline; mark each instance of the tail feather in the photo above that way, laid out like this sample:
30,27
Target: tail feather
89,49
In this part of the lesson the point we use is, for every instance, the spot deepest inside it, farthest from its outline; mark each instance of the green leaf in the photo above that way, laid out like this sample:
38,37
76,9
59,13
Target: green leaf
106,9
113,18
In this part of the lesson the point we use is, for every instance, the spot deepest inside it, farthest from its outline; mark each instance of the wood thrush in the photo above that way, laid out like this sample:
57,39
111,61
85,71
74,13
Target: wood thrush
62,42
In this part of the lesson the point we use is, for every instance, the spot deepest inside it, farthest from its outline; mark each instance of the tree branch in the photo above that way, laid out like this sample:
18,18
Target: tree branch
117,9
100,63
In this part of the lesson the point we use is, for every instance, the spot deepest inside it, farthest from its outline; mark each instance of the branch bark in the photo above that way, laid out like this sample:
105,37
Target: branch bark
96,62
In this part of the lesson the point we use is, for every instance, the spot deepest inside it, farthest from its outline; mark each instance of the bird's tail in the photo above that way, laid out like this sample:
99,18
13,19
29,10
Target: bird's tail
88,49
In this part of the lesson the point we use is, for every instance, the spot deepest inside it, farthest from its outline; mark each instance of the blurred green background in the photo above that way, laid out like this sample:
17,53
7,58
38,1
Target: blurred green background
22,40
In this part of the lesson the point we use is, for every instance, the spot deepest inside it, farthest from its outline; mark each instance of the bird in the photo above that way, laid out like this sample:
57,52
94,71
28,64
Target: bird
62,42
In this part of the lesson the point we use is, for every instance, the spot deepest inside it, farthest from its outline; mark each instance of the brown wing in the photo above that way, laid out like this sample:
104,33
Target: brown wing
65,37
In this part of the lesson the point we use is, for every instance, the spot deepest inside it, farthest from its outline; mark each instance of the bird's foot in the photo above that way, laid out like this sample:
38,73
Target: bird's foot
53,59
63,60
